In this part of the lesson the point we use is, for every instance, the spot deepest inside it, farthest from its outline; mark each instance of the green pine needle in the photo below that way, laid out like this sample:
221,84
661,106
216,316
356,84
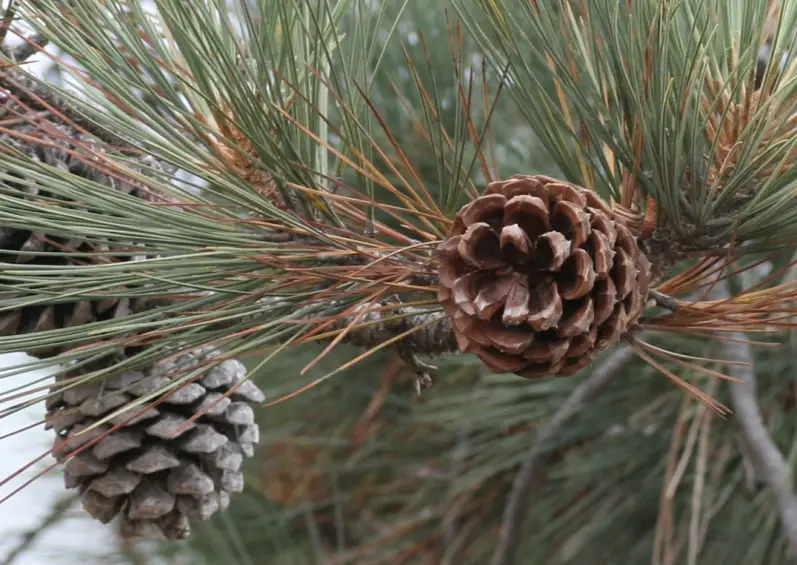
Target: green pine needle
626,100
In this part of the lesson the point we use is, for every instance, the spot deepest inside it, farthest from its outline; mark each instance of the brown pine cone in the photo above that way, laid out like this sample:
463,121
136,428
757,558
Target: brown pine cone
160,469
538,276
25,246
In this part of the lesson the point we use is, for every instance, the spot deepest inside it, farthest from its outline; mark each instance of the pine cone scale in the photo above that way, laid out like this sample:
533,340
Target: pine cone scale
513,236
545,306
150,501
552,250
516,306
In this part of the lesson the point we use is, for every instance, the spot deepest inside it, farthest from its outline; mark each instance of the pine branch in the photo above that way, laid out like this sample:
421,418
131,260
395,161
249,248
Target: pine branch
769,463
432,333
517,505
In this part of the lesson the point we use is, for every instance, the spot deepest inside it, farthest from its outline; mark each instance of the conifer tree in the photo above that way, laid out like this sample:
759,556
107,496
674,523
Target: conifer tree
239,192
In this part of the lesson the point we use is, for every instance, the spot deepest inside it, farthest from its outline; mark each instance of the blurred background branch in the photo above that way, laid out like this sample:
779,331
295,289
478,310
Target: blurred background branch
532,470
53,519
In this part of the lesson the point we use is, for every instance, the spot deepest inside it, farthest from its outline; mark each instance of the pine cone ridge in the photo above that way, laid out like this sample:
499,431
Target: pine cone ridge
159,470
539,275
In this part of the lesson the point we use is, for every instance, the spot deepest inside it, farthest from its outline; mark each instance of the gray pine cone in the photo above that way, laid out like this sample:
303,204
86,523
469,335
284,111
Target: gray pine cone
159,470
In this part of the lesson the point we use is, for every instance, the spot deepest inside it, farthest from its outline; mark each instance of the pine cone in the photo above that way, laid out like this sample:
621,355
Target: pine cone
158,469
538,276
19,245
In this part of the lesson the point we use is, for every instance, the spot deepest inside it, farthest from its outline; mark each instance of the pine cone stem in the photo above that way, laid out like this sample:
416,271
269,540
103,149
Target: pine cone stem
663,300
427,333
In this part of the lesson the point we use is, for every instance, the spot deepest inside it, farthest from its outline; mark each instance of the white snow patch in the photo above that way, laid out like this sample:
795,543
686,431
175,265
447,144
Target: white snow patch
77,540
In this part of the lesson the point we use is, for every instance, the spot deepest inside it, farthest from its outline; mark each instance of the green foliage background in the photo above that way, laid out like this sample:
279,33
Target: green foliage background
428,484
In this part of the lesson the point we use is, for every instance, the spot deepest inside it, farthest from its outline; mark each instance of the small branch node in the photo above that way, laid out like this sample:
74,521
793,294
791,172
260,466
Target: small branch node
664,301
423,371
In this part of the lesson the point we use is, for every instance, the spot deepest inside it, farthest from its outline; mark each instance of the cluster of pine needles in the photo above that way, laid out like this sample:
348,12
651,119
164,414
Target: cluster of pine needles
290,191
